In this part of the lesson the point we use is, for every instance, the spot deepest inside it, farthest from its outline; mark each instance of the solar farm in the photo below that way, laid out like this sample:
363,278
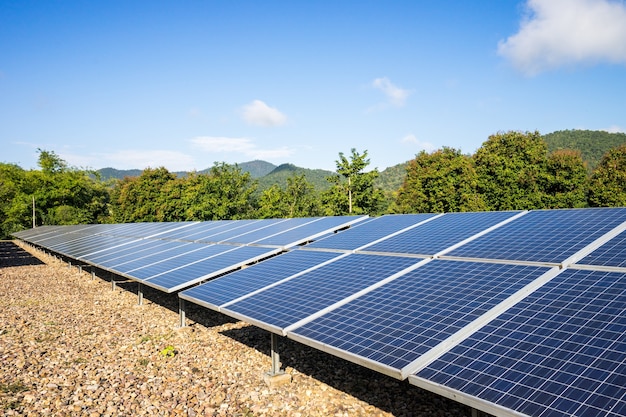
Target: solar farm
517,313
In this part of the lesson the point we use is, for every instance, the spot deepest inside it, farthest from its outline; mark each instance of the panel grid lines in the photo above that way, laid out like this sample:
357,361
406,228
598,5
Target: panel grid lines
564,346
307,294
403,319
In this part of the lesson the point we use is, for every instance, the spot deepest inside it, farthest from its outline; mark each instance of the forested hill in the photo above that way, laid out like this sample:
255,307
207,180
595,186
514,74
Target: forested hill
592,144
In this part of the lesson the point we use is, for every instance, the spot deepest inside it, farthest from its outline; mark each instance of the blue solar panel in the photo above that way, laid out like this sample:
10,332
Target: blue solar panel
221,263
369,231
396,323
138,250
441,233
237,232
306,294
232,286
313,228
559,352
195,253
612,253
198,230
177,248
544,235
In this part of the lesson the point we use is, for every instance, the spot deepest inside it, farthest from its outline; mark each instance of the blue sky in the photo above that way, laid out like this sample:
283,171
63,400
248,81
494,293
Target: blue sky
184,84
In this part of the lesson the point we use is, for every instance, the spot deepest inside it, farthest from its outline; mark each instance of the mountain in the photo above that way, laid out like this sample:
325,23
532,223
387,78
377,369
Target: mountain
112,173
278,176
592,144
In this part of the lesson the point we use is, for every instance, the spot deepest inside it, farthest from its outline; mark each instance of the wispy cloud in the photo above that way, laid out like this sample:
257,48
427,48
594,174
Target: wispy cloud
260,114
412,141
396,96
557,33
244,146
615,129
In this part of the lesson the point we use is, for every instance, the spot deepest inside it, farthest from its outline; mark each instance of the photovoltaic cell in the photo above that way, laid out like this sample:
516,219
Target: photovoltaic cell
195,253
139,250
276,227
549,236
306,231
306,294
175,250
440,233
612,253
403,319
239,283
559,352
197,271
369,231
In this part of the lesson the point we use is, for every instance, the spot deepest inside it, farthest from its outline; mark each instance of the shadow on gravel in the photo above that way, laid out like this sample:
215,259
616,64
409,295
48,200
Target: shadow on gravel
194,313
391,395
13,255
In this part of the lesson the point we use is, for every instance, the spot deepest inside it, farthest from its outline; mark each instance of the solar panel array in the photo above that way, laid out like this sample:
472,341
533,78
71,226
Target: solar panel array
175,255
513,313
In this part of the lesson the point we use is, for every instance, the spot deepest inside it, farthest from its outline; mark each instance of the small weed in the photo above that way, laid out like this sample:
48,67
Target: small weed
143,362
13,388
169,351
145,339
79,360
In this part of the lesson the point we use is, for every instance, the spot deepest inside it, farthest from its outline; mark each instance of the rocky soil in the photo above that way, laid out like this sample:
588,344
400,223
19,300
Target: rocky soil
70,345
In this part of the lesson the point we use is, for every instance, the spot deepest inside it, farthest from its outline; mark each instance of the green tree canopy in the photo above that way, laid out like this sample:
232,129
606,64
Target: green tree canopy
566,180
298,199
353,190
511,167
442,181
607,187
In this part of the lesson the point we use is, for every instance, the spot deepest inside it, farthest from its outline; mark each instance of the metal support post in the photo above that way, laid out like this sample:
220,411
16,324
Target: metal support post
93,273
140,294
181,312
275,356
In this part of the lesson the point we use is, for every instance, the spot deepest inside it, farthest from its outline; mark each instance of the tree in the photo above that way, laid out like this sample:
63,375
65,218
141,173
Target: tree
443,181
566,180
298,199
607,187
511,167
353,190
138,199
15,209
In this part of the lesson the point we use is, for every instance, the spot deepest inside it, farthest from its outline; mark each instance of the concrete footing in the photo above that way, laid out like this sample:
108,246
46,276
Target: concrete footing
276,380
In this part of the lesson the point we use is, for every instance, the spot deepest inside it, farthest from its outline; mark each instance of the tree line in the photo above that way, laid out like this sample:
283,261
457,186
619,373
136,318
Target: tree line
510,171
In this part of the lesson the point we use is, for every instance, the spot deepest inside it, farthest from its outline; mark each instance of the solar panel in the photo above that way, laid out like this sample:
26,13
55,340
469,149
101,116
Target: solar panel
194,272
293,300
559,352
119,255
176,249
548,236
309,230
441,233
369,231
393,325
197,231
225,289
124,247
194,252
612,253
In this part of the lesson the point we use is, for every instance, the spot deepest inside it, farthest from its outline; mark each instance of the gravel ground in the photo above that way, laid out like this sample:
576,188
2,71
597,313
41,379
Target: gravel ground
72,346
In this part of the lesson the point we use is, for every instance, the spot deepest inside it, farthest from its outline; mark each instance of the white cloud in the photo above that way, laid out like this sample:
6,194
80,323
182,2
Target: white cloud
558,33
396,96
244,146
412,141
615,129
260,114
